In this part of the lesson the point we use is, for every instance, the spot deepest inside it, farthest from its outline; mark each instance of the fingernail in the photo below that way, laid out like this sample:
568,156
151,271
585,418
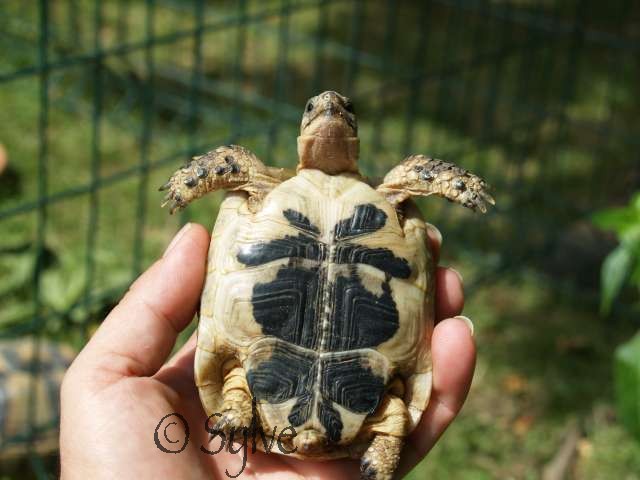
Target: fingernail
434,232
457,273
177,238
468,321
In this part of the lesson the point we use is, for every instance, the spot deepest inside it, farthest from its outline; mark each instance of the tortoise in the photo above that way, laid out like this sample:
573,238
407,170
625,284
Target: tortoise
20,383
319,292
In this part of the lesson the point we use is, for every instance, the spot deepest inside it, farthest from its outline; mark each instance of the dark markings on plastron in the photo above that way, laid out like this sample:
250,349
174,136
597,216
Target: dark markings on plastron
300,221
301,411
350,382
330,420
300,246
361,319
288,373
381,258
288,308
366,218
291,372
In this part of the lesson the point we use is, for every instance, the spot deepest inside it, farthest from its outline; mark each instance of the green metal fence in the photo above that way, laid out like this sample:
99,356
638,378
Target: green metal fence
102,100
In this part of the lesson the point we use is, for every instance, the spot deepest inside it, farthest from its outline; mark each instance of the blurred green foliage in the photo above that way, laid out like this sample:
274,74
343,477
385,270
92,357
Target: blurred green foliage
627,381
622,265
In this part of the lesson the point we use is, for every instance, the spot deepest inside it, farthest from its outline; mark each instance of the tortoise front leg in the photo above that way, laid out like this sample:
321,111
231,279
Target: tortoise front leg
420,175
390,425
225,168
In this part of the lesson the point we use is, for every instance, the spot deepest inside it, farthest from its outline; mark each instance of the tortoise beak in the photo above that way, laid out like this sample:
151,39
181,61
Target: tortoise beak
330,117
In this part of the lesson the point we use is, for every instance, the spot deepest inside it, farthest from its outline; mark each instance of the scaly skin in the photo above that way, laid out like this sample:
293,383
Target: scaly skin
390,425
421,175
328,141
237,411
225,168
381,458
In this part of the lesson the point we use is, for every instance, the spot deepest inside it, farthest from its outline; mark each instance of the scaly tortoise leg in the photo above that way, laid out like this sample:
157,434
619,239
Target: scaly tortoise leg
421,175
390,425
237,411
225,168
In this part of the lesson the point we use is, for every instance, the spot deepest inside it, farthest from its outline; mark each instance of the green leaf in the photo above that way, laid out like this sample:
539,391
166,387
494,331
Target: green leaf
635,202
627,384
631,239
634,278
615,270
620,219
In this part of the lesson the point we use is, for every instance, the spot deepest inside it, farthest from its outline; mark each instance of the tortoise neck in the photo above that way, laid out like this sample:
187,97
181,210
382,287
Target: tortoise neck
332,155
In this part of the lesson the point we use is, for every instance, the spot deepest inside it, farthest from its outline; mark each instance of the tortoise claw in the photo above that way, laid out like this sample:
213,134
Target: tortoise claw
175,207
177,197
485,199
232,424
489,199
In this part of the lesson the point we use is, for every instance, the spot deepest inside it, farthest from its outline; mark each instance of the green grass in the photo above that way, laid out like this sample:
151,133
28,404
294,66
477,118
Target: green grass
543,362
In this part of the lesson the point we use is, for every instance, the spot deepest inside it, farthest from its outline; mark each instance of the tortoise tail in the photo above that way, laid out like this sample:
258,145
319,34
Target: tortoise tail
309,441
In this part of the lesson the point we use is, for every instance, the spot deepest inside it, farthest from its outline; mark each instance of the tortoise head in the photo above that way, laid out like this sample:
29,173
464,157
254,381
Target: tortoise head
329,115
328,138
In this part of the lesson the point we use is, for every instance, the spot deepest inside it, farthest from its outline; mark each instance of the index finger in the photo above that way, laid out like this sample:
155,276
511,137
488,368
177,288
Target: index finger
449,292
454,357
435,241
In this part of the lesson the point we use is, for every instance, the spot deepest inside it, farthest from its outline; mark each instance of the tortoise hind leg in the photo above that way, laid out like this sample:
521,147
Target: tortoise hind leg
223,389
389,425
225,168
237,411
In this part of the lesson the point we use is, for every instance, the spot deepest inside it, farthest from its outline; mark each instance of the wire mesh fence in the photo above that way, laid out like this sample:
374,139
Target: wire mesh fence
102,100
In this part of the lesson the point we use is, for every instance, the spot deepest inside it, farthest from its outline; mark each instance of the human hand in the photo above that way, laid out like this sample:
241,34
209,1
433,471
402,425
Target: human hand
121,384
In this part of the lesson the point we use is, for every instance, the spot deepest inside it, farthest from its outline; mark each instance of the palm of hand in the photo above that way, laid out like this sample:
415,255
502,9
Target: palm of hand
119,388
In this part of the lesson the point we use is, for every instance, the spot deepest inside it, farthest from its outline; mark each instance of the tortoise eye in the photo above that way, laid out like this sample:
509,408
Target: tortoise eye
349,107
309,106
